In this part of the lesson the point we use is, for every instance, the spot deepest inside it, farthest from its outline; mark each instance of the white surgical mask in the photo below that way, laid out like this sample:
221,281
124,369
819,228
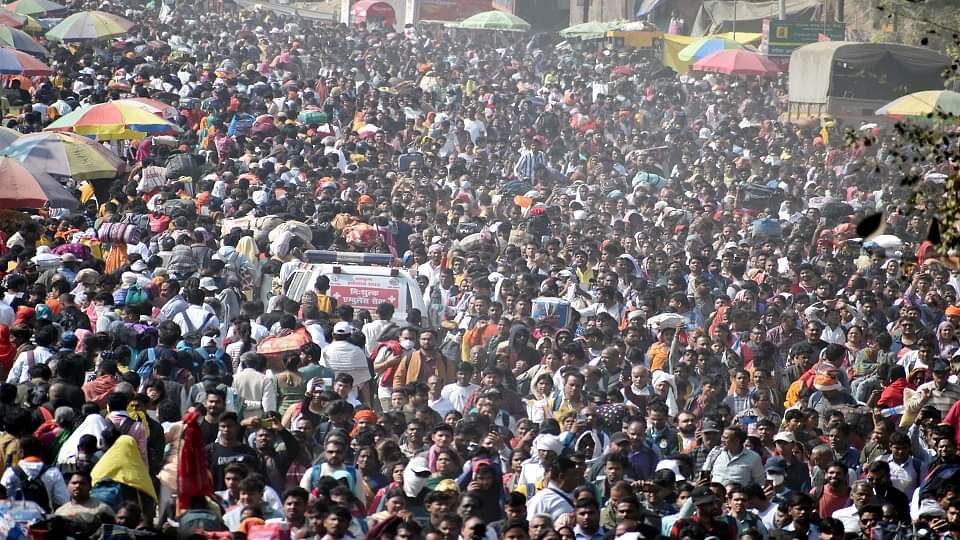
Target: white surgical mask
776,479
407,344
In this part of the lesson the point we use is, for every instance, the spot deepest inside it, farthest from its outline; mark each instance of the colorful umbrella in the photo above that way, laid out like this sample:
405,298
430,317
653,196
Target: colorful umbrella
703,47
922,104
14,62
153,106
89,26
22,188
7,136
17,20
494,20
64,154
737,62
113,120
37,8
21,41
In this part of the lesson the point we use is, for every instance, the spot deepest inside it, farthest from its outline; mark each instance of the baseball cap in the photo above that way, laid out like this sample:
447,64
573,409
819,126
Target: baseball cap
702,495
418,464
208,284
618,438
343,328
671,465
939,365
710,425
785,436
776,464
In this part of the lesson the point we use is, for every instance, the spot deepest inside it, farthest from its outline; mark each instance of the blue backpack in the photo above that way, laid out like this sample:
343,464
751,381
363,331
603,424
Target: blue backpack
109,493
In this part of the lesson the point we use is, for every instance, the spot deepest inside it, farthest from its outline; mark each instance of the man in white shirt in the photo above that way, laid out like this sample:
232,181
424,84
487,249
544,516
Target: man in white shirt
197,317
257,390
458,392
906,471
45,338
435,399
374,329
861,494
7,315
556,499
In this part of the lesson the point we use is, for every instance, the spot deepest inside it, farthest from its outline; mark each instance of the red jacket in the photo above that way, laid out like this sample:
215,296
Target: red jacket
892,396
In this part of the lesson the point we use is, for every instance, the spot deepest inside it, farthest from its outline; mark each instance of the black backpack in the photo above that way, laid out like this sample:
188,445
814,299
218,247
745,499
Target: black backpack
33,489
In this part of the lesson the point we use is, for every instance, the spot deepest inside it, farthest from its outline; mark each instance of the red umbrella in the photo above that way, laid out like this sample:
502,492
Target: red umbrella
21,187
738,62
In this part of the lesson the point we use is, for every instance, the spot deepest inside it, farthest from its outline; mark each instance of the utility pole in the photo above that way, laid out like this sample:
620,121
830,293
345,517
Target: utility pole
782,10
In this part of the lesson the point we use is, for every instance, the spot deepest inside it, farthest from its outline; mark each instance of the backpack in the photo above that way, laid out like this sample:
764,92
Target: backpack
194,334
198,521
136,295
147,368
109,493
33,489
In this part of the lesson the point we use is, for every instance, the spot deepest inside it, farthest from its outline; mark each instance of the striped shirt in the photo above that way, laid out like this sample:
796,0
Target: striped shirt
941,399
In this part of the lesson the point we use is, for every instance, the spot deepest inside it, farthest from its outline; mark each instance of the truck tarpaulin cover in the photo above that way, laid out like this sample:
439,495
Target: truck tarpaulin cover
879,71
452,10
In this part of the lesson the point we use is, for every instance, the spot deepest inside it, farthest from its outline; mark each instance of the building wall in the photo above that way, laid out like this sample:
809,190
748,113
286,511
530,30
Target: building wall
601,10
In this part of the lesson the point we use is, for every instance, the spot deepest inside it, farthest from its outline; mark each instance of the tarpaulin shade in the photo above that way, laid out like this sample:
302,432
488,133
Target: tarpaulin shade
871,71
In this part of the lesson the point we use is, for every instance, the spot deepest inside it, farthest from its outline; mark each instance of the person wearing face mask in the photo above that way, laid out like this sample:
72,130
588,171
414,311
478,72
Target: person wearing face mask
419,365
386,356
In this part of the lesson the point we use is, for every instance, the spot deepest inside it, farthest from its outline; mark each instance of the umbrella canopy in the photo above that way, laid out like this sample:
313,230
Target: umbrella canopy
14,62
494,20
37,8
153,106
113,120
64,154
16,20
921,104
703,47
89,26
592,29
7,136
737,62
369,9
22,188
21,41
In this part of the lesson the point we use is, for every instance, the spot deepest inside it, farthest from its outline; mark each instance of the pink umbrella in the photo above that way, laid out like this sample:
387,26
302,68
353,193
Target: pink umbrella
737,62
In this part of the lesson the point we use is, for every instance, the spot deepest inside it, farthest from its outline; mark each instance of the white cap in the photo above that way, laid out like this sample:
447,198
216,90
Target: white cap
671,465
208,284
342,328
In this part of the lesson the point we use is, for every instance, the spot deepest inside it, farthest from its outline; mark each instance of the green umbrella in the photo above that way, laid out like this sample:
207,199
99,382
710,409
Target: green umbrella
494,20
37,8
89,26
592,29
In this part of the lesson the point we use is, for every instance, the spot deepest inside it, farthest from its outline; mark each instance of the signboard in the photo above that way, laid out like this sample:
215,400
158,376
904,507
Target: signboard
503,5
451,10
782,37
366,292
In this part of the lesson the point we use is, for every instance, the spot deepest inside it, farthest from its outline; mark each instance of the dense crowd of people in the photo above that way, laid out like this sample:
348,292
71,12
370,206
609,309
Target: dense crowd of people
647,311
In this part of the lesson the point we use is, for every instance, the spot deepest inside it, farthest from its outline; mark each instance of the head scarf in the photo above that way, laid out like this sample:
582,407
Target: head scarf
671,400
248,248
